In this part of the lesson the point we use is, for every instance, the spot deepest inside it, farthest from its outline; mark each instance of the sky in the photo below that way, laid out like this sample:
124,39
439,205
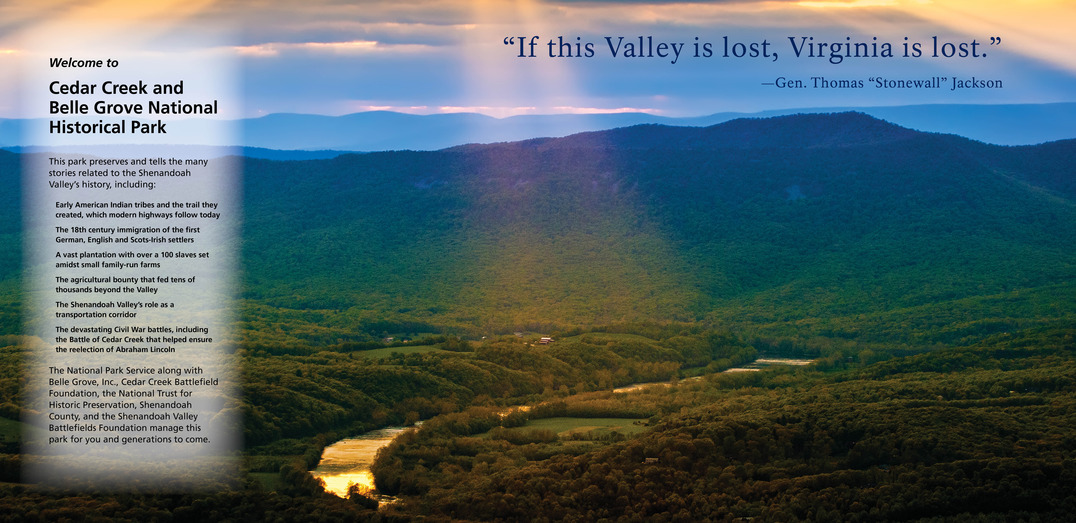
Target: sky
334,57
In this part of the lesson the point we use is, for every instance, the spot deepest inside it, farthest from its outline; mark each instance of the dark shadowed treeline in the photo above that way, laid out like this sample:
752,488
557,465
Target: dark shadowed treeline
984,432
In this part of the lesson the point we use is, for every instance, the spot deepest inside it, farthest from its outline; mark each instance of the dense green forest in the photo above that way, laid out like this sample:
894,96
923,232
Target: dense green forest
799,226
827,225
979,433
928,276
976,432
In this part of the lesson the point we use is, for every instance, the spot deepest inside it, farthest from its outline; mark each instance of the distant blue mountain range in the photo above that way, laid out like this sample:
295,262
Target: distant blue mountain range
324,136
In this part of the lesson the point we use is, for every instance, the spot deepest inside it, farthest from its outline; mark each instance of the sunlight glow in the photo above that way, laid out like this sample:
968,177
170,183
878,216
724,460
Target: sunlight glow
851,4
495,73
462,43
350,47
339,483
1037,29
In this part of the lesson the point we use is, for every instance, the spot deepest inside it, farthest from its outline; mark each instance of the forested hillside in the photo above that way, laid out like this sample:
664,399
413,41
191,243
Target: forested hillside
928,277
812,224
809,224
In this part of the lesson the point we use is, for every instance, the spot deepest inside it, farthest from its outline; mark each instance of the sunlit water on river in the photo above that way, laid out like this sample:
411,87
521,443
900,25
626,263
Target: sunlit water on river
348,461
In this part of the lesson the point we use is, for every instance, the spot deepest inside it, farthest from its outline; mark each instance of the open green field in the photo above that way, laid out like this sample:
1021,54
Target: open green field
568,426
9,429
406,349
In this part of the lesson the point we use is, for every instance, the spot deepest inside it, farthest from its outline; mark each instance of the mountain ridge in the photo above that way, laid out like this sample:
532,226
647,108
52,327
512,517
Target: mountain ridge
861,217
796,225
1007,124
792,131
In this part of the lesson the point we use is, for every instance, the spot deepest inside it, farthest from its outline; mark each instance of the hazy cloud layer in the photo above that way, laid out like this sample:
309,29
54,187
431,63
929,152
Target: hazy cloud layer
333,57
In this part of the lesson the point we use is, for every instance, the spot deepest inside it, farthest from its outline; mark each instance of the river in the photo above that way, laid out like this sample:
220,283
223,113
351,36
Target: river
349,460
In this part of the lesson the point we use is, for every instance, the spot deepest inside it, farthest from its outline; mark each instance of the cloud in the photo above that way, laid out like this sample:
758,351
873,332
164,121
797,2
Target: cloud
601,110
353,47
494,110
431,56
656,2
508,111
343,30
846,4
